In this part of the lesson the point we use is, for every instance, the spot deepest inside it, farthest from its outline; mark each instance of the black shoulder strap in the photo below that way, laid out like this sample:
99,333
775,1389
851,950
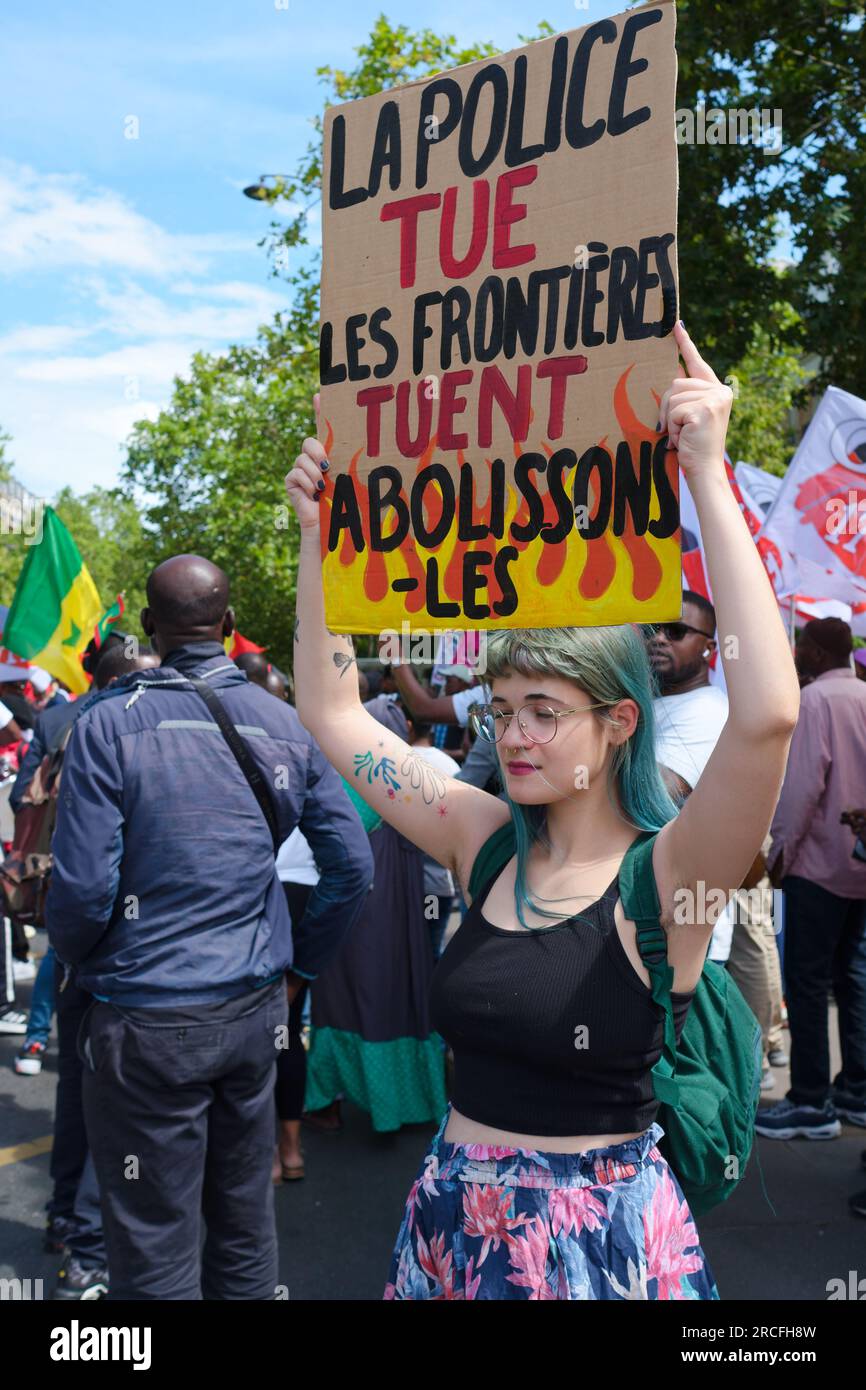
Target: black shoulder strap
244,757
640,903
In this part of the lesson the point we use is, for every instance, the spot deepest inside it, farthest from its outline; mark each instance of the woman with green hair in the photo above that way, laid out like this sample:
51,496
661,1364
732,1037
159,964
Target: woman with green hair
545,1179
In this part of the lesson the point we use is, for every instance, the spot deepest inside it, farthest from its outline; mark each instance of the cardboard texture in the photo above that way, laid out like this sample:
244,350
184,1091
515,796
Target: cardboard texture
498,293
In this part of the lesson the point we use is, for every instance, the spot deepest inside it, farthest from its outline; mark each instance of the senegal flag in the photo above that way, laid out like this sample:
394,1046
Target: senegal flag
55,606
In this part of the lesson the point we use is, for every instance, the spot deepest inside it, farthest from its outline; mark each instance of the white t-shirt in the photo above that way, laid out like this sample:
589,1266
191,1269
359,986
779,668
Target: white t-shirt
6,715
437,879
688,728
723,932
295,862
475,695
438,758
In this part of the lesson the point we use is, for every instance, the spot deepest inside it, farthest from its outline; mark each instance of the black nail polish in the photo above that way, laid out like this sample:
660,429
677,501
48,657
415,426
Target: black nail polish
320,485
658,426
324,465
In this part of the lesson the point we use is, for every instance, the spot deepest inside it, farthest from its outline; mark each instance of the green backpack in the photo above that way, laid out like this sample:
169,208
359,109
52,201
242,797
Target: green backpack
708,1085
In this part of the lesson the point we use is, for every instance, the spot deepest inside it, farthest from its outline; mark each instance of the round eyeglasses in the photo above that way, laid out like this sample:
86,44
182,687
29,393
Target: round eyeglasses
538,723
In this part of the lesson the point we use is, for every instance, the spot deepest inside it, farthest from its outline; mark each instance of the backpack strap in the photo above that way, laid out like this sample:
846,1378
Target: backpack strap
640,901
493,855
243,756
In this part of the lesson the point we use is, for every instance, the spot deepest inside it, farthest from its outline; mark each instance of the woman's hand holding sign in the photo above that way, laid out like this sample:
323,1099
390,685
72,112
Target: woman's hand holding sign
694,411
305,484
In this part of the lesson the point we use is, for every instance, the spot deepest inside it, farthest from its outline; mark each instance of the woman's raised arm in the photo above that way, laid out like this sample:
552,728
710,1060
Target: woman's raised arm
447,819
714,839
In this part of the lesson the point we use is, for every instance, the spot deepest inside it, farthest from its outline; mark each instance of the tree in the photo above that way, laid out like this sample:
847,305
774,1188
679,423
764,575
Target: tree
208,472
806,61
765,385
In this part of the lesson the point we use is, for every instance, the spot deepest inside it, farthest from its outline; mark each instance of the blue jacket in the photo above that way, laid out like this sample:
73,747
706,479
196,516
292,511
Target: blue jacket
163,890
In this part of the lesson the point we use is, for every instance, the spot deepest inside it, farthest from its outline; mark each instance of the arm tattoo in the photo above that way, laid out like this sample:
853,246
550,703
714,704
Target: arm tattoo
423,778
297,625
365,762
340,659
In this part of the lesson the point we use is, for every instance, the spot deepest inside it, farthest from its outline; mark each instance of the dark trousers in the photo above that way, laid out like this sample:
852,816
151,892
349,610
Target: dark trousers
179,1107
825,944
76,1191
292,1060
292,1064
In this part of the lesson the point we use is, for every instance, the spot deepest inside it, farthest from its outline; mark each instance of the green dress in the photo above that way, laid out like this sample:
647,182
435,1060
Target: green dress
370,1038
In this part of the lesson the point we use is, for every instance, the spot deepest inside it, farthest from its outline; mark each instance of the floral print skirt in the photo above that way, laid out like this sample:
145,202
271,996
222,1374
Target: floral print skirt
484,1221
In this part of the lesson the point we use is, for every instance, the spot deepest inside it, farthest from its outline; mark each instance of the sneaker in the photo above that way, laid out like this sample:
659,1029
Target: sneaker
784,1120
23,970
11,1021
854,1114
57,1232
29,1059
768,1081
76,1282
778,1057
857,1203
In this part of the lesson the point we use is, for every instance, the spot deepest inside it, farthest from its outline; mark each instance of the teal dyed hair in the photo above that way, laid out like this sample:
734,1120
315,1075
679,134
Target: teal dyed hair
609,664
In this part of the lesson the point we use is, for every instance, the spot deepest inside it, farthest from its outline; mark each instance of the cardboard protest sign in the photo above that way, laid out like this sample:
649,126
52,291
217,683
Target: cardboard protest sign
498,293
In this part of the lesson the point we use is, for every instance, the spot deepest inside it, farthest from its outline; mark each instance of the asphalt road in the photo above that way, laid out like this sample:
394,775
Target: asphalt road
337,1227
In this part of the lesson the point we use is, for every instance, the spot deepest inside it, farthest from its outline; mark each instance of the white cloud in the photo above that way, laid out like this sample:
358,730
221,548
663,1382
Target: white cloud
131,311
167,331
55,221
112,422
137,301
155,361
42,338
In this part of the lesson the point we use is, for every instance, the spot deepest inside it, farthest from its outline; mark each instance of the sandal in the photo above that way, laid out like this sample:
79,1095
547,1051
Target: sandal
293,1172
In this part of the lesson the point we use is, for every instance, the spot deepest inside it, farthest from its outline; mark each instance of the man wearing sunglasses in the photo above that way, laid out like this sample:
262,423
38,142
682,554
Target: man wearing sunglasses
690,712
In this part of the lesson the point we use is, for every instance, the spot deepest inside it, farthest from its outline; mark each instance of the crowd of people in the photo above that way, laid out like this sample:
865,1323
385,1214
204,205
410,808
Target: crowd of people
267,896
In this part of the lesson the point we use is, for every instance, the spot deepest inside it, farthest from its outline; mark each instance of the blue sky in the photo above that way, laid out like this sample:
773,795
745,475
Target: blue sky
120,257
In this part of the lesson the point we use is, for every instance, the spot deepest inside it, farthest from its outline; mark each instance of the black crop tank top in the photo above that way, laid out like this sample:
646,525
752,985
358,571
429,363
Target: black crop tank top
553,1031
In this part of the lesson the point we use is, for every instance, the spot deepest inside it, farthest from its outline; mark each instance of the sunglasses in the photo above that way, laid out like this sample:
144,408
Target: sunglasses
674,632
